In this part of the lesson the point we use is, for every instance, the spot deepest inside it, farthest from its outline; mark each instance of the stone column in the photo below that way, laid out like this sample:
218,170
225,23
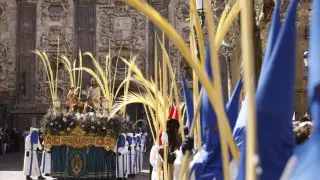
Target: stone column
85,23
162,8
26,59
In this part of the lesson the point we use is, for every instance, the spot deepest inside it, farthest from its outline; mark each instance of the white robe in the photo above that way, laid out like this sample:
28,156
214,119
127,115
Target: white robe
141,154
144,141
177,164
46,162
143,148
137,159
155,159
200,156
131,159
137,155
121,164
31,166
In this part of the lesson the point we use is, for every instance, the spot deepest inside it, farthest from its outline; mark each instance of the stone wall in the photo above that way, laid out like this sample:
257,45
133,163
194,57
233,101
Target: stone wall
55,23
96,26
8,26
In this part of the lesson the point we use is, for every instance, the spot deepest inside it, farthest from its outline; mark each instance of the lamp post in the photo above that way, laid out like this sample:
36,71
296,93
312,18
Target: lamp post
201,11
306,64
202,15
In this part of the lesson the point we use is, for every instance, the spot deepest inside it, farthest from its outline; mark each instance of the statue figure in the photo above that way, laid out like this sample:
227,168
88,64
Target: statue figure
72,97
93,95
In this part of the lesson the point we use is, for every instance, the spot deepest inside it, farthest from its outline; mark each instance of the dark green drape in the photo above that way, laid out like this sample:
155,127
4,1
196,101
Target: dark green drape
95,163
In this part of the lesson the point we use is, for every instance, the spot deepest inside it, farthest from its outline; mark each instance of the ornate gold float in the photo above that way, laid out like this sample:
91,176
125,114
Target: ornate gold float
77,138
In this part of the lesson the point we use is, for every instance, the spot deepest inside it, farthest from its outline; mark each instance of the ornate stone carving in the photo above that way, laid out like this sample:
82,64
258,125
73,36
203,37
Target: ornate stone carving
121,27
56,29
182,12
55,10
8,15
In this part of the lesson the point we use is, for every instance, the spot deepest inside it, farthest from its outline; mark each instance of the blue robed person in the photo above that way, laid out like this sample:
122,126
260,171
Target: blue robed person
137,154
274,100
121,150
131,154
207,163
305,162
31,165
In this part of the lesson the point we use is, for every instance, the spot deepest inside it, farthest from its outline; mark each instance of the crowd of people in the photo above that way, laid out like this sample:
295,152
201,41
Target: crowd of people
11,140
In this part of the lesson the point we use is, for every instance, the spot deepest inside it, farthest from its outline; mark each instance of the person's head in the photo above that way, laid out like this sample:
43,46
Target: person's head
93,82
173,134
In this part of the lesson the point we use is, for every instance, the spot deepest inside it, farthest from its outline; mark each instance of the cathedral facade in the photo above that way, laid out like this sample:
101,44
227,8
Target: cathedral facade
97,26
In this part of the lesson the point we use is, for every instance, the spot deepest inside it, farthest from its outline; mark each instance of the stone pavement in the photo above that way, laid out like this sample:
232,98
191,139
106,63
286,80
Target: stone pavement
11,165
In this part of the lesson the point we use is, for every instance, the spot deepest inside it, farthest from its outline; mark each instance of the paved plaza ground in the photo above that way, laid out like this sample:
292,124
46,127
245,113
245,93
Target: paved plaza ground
11,165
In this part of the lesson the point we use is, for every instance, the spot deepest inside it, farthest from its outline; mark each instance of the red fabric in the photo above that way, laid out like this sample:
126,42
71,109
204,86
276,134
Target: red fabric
171,113
176,114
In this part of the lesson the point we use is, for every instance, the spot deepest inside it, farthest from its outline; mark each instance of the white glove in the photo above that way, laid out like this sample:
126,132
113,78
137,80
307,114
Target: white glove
164,139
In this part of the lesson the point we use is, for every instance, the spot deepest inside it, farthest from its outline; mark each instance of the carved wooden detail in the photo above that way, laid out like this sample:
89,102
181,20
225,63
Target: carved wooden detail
78,139
8,12
120,27
55,29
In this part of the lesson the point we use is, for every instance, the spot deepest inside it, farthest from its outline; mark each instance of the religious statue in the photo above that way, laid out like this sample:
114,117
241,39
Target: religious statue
72,98
93,95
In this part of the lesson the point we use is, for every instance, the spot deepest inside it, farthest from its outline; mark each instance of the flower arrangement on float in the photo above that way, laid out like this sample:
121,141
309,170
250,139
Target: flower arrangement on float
78,110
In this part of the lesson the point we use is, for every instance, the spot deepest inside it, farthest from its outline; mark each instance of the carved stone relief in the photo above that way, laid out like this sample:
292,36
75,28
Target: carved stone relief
55,30
120,27
178,13
8,20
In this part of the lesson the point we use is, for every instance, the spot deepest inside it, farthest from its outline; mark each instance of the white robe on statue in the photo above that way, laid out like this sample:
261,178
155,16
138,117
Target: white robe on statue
46,162
155,159
131,154
31,166
121,149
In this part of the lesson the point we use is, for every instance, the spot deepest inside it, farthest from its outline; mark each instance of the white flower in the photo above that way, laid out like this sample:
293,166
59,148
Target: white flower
71,123
99,122
103,127
68,129
77,115
51,124
54,114
92,127
91,114
92,119
64,119
64,112
105,114
99,115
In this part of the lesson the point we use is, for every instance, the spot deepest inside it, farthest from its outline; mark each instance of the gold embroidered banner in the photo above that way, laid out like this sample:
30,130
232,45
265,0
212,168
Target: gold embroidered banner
78,139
